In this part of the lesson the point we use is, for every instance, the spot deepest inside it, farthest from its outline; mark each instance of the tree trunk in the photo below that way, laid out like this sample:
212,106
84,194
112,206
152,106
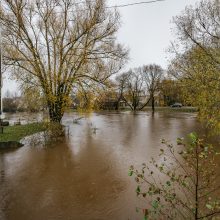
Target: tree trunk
135,104
117,106
153,102
55,112
118,103
144,105
134,108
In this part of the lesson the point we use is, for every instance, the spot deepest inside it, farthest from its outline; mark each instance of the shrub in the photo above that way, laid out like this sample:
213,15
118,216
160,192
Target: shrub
183,185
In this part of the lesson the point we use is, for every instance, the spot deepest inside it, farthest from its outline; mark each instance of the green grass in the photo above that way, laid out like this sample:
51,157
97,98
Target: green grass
169,109
17,132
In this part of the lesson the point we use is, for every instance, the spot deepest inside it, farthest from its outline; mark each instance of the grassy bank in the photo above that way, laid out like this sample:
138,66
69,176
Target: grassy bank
17,132
169,109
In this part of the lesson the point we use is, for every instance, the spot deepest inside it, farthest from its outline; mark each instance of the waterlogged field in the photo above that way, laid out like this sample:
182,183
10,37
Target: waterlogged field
86,176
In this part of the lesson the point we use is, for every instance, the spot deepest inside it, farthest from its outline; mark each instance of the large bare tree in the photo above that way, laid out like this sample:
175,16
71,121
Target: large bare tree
152,75
139,86
134,89
130,88
58,43
121,87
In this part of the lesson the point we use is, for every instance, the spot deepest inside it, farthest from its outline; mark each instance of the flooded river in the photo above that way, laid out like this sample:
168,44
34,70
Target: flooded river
86,178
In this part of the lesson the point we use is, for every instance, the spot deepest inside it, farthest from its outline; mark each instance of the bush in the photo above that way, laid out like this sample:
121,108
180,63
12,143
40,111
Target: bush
183,184
10,105
53,132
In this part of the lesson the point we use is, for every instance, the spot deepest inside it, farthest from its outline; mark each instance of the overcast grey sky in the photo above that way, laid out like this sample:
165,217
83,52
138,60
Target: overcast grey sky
145,30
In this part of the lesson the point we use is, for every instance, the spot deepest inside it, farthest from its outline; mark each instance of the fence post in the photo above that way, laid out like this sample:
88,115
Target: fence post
1,129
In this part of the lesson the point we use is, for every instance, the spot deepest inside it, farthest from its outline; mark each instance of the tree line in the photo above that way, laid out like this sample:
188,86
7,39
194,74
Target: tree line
65,47
141,87
134,90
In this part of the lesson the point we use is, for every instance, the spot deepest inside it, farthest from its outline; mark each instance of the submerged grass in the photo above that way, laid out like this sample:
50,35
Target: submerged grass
17,132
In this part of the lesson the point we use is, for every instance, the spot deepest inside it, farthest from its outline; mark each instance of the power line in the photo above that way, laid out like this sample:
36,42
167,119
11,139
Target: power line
135,3
119,6
125,5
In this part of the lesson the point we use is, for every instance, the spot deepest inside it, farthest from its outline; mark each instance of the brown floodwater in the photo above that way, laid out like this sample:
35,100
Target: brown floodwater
86,176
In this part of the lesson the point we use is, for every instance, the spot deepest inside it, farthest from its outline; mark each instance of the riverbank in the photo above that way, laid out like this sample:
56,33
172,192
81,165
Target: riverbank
18,132
170,109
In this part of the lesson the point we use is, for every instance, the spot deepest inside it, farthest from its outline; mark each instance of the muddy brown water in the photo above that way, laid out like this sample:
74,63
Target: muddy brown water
86,177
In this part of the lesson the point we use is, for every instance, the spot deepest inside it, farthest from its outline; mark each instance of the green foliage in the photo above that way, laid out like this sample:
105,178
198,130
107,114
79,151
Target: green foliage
200,85
170,92
183,184
32,100
197,59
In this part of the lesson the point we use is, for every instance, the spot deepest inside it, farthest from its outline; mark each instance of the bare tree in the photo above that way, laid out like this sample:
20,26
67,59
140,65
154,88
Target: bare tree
134,89
59,44
152,75
121,86
138,86
130,88
199,27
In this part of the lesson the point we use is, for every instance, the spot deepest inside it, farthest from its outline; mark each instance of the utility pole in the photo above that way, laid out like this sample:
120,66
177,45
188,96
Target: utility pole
0,72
